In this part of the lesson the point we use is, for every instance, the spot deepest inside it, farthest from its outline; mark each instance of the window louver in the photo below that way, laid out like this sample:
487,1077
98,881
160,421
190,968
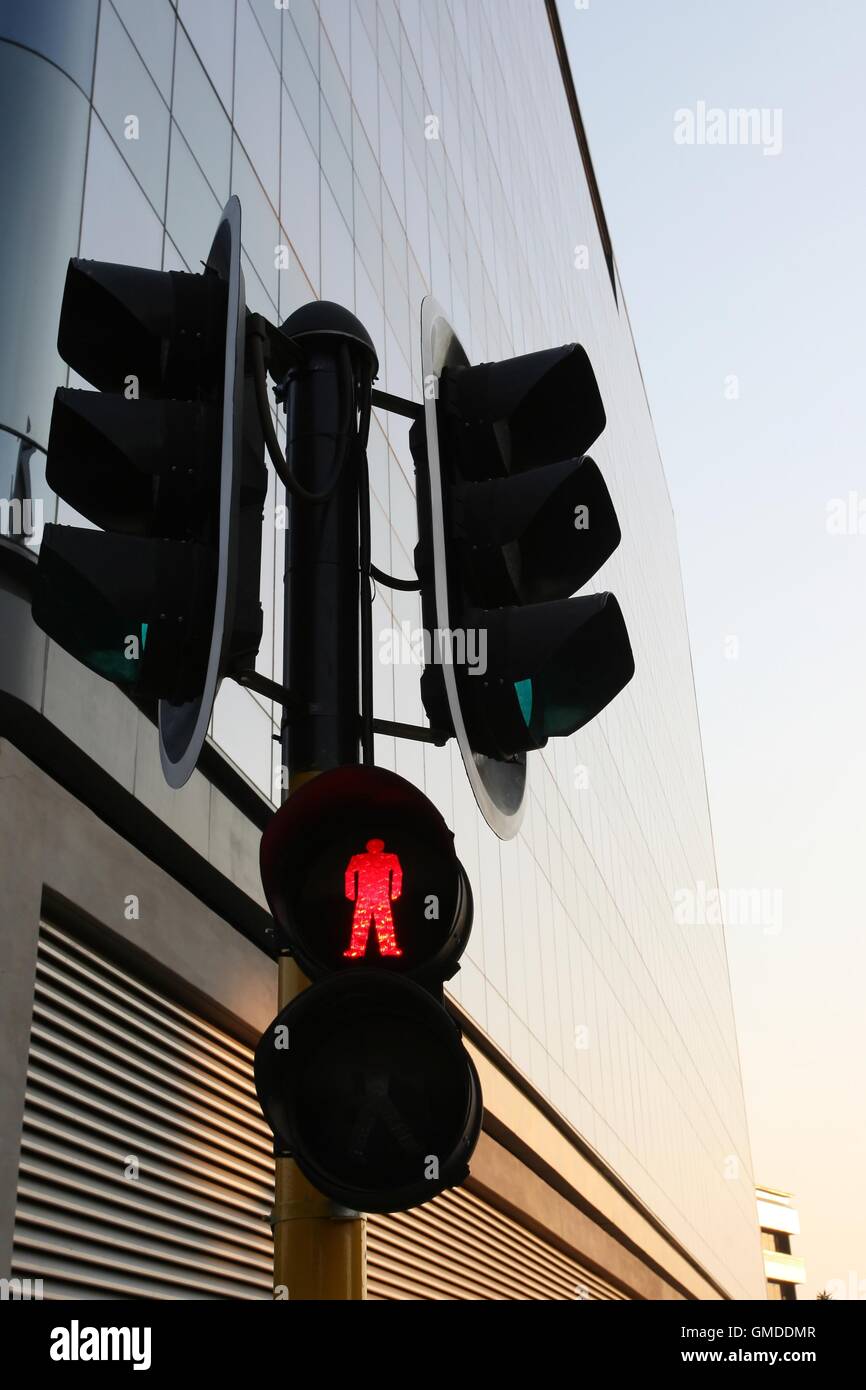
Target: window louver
120,1073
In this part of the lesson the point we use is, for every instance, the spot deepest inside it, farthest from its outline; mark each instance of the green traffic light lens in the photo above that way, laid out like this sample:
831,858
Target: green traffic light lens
135,610
118,668
84,619
523,690
579,656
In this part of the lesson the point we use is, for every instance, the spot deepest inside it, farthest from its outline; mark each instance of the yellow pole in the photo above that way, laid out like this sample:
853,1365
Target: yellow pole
320,1248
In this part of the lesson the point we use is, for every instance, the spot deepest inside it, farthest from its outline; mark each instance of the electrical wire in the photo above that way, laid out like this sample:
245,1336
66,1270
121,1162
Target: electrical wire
407,586
349,440
366,570
281,464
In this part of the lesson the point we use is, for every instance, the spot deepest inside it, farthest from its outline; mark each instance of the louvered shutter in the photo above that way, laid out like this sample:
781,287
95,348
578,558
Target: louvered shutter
460,1247
119,1072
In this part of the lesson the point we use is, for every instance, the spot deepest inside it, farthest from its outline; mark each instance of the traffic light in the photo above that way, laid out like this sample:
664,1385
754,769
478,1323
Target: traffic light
514,518
363,1077
167,456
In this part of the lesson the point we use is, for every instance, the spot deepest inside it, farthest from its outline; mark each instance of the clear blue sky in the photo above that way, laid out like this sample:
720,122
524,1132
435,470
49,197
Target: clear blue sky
739,264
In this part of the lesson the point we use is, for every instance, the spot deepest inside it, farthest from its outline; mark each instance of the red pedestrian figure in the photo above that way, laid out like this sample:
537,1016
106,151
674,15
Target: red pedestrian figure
379,883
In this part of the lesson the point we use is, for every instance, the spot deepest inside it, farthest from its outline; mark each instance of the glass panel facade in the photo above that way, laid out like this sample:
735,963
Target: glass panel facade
257,101
151,28
260,234
118,223
192,210
201,119
44,119
210,25
131,107
299,191
65,33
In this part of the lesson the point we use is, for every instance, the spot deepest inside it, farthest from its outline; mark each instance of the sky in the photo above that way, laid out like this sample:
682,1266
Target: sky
742,265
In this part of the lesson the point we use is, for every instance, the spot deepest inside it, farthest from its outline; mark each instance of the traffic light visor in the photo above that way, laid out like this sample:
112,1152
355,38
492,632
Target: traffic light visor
551,669
535,537
542,408
123,605
125,329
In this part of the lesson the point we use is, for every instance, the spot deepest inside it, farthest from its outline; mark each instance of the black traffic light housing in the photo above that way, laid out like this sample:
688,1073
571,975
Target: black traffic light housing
513,518
364,1081
363,1077
308,845
514,535
167,455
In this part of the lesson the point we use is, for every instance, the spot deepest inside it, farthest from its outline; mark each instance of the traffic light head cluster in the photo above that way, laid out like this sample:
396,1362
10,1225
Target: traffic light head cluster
363,1077
513,520
137,461
166,456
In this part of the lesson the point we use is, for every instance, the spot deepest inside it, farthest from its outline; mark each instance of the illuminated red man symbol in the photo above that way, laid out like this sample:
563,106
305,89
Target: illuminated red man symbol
379,883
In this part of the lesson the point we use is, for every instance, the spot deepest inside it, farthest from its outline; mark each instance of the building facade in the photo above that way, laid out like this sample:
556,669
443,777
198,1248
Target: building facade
381,152
779,1220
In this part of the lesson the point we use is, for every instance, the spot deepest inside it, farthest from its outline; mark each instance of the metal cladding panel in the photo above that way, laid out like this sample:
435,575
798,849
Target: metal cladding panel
118,1073
460,1247
776,1216
787,1269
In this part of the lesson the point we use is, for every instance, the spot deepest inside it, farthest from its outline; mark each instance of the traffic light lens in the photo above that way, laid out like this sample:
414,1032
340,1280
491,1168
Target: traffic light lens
359,870
351,905
106,598
373,881
523,690
592,664
79,614
580,657
135,466
360,1101
373,1092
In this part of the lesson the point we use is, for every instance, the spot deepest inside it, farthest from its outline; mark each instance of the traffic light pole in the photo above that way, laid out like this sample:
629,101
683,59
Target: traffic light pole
319,1246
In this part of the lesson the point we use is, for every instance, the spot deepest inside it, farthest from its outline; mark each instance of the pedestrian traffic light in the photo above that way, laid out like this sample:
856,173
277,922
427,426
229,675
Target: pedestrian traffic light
514,518
365,1083
359,868
363,1077
167,455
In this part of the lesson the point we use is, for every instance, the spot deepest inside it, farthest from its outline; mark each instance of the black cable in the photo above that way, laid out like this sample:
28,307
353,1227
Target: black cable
349,439
367,742
280,462
406,585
